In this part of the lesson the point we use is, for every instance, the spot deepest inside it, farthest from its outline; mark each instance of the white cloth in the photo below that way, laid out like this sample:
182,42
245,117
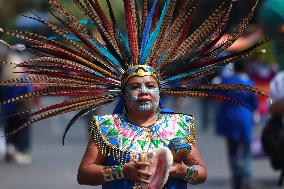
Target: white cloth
277,87
2,142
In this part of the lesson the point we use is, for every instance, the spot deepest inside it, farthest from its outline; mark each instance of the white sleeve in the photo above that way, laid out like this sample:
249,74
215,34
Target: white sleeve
277,87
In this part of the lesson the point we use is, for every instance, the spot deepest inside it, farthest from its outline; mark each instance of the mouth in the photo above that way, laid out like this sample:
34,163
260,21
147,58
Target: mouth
143,99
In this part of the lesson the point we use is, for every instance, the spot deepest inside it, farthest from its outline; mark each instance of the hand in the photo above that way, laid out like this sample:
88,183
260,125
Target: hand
134,171
178,170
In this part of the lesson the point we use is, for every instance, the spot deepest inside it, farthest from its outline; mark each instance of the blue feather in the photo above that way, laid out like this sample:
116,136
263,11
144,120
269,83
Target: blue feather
125,41
54,37
101,49
154,34
162,58
107,54
146,32
87,22
74,38
184,75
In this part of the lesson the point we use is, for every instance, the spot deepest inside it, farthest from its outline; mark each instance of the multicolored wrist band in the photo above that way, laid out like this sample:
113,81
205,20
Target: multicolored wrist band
191,175
111,173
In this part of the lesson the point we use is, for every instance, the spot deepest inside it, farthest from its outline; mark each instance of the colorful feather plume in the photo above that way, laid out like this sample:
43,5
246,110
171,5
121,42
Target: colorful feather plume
89,70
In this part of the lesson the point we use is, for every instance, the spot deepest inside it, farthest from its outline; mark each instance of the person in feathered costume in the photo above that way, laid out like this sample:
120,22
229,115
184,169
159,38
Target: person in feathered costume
141,145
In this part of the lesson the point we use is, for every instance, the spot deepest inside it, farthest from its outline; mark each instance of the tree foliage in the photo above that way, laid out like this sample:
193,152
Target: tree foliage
9,9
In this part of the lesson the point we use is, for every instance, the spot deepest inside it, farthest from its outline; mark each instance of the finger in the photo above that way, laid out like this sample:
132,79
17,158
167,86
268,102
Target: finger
142,163
175,163
134,161
144,173
172,168
143,181
141,157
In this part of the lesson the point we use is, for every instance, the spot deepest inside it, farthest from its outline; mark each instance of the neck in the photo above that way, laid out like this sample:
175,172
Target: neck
142,119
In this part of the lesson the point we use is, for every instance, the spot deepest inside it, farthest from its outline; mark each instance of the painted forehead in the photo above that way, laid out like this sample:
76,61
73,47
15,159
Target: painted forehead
138,80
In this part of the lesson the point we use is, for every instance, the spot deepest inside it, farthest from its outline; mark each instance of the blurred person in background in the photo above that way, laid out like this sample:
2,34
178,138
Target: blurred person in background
13,116
262,73
273,132
2,139
271,20
235,123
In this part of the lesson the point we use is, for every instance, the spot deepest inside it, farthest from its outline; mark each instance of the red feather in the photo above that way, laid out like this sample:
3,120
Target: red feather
155,18
132,30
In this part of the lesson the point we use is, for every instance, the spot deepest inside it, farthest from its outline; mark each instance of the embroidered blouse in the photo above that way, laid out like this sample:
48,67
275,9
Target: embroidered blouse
119,140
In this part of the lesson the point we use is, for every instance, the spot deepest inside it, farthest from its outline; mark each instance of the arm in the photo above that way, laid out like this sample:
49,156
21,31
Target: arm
192,170
91,170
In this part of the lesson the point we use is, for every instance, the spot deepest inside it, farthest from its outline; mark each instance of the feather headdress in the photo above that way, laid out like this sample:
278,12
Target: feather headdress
92,70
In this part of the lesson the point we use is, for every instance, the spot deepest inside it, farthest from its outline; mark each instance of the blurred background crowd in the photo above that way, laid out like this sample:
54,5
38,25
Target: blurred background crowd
249,135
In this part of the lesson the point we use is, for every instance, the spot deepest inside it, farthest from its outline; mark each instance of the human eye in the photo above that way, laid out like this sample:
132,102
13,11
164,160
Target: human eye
150,86
135,87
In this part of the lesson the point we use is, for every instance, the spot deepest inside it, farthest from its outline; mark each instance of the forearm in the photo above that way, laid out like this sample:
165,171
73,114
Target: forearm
193,174
97,174
196,169
196,174
90,175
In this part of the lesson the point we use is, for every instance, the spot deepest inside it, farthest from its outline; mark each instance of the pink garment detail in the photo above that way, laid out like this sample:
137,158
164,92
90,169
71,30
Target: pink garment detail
127,133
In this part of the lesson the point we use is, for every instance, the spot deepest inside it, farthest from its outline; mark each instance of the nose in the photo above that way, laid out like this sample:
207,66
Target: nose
144,89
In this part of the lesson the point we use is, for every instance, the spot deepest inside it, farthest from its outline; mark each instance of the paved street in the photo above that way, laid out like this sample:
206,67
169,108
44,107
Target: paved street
55,166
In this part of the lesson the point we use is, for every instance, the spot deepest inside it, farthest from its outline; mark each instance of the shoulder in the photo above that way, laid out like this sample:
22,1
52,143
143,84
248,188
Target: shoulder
184,122
186,116
98,120
104,121
278,77
184,126
187,119
277,87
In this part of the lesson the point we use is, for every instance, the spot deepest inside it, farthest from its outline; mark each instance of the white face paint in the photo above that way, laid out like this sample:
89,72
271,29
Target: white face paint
143,95
145,106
